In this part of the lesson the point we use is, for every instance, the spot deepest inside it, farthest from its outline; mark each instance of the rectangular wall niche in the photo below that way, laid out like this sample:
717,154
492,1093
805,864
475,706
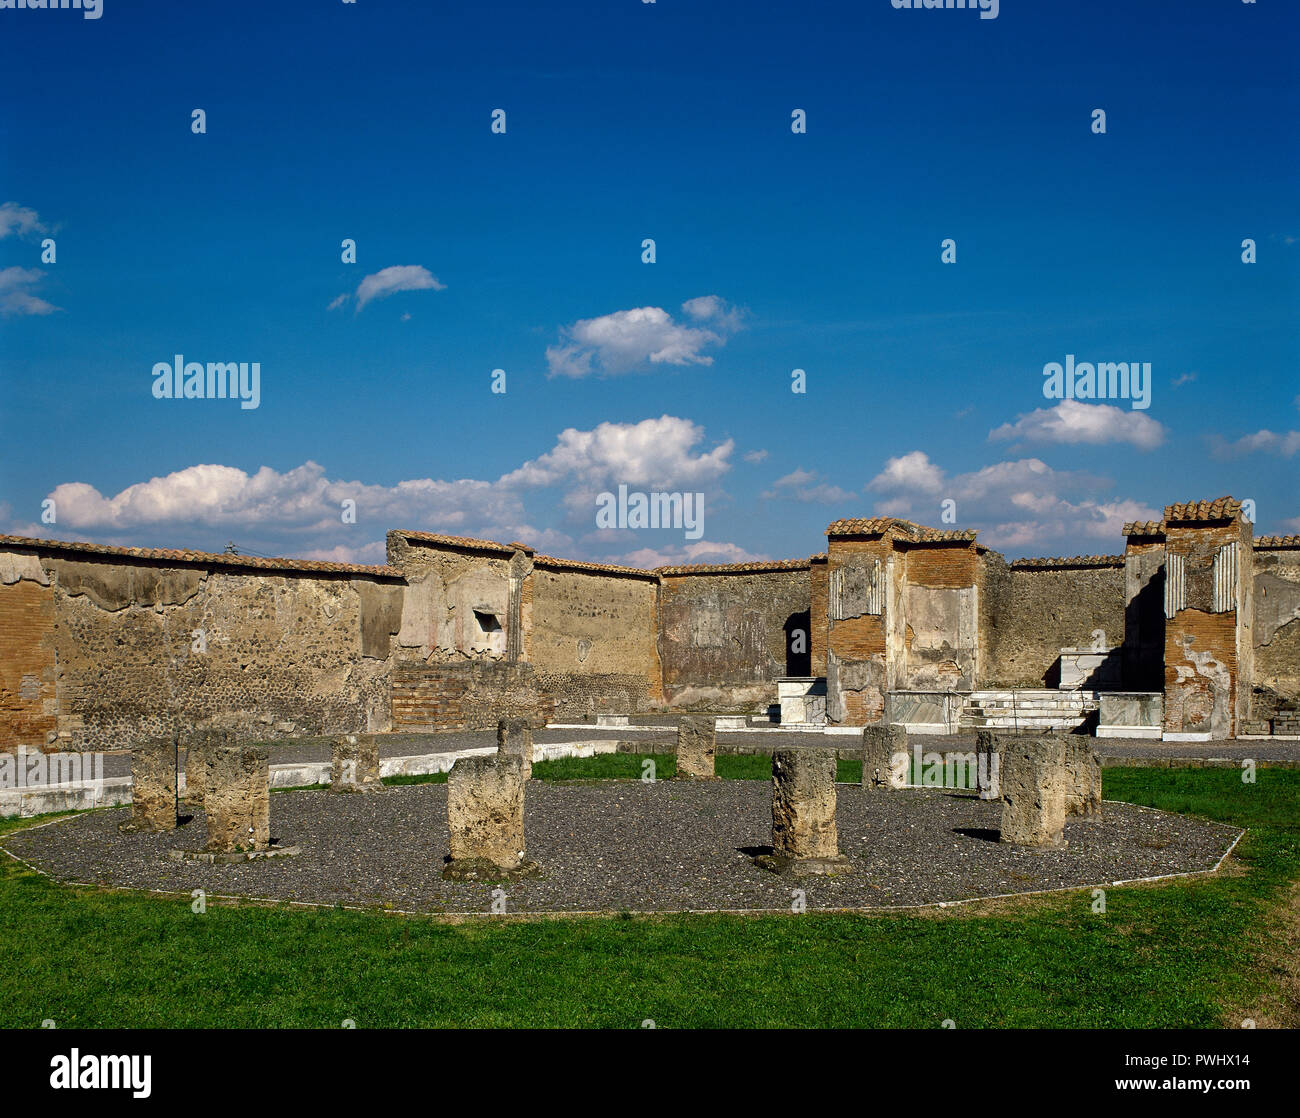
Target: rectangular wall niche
856,589
487,621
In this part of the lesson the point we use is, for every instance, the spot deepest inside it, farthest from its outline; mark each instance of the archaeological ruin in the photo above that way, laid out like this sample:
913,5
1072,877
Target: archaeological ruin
1193,633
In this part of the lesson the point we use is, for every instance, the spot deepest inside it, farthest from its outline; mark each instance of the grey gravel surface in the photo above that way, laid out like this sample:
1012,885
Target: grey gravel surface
625,845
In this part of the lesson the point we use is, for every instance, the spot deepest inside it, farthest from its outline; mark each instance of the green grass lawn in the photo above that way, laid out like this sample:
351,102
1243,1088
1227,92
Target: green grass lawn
1176,955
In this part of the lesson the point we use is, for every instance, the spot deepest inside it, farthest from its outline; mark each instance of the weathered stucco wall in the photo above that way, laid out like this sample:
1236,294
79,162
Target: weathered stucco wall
1028,614
861,591
139,648
591,636
1276,632
727,637
28,703
940,613
457,600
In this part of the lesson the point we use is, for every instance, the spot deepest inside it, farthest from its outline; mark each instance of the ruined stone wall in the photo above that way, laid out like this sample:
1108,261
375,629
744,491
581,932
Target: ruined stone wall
472,695
862,590
457,600
818,584
1276,632
1028,614
140,648
28,705
940,617
1209,644
727,637
591,635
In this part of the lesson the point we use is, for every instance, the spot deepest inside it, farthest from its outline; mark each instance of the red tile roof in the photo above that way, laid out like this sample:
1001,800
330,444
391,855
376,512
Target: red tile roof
1277,542
755,567
1144,528
1069,561
879,525
203,558
463,541
1224,508
552,562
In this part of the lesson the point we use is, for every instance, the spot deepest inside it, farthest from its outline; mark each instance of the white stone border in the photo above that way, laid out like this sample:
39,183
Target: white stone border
115,791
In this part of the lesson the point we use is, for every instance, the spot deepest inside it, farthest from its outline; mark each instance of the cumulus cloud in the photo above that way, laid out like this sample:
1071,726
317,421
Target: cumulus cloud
1261,442
298,511
389,281
1022,504
703,551
631,340
808,487
655,454
1072,422
16,220
15,294
755,456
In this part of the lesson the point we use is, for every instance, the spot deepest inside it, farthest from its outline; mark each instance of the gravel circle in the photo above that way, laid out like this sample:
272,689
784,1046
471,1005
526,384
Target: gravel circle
613,845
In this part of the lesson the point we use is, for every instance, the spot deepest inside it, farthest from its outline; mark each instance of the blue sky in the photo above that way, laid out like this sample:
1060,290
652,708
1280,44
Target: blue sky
522,251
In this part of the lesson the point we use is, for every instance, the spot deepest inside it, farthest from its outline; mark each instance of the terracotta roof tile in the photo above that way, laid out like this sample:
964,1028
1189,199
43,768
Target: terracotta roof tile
206,558
578,565
1224,508
1144,528
736,568
879,525
1277,542
461,541
1069,561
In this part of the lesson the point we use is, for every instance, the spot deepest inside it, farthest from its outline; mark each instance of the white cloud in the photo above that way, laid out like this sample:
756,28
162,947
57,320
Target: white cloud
1022,504
807,487
1185,378
1261,442
389,281
913,471
624,341
1072,422
298,512
655,454
15,298
755,456
19,220
702,551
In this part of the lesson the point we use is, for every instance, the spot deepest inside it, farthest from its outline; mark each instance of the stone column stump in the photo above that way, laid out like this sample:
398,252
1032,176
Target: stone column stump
1083,778
805,839
515,739
153,787
485,815
1034,790
199,745
355,765
881,742
237,799
696,747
